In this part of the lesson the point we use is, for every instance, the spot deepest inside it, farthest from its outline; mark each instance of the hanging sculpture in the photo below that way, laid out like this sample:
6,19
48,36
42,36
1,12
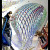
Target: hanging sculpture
28,20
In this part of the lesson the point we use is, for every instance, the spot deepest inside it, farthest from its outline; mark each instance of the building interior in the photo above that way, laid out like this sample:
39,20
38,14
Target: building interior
29,16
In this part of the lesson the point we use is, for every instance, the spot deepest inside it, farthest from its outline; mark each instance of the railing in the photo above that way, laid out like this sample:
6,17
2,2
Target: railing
46,37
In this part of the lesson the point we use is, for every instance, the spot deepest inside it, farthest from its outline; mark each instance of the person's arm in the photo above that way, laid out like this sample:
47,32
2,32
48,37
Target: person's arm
11,17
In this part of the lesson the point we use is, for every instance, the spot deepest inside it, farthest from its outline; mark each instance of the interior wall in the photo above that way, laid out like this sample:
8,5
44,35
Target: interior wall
16,6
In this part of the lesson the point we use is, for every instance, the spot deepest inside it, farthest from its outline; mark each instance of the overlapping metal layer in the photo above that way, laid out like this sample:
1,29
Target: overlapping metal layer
28,20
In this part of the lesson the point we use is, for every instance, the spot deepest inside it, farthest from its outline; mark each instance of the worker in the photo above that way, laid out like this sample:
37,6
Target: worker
7,28
41,36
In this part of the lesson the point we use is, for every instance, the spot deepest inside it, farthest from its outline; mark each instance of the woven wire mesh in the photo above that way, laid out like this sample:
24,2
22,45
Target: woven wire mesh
28,20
